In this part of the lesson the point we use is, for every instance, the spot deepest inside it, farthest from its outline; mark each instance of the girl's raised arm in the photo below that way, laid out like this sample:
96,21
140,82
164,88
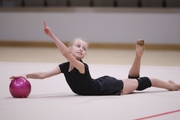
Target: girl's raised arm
64,50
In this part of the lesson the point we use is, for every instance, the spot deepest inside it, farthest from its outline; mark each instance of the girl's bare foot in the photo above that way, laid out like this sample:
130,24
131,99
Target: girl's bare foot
140,45
175,86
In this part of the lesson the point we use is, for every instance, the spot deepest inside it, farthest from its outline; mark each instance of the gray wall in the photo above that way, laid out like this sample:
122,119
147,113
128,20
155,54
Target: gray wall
113,27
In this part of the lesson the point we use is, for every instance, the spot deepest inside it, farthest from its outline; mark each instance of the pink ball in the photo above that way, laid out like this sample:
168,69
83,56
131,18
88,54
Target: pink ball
20,88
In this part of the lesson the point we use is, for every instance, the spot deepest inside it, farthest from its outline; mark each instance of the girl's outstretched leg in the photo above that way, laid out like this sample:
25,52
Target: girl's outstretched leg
135,68
129,86
170,85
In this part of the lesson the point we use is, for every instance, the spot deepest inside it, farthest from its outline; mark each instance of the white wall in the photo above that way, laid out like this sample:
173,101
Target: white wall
114,27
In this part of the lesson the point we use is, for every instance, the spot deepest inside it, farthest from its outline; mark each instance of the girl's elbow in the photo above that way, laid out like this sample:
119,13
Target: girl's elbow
66,54
42,76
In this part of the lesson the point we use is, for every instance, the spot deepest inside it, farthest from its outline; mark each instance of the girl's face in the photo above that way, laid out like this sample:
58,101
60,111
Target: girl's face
78,49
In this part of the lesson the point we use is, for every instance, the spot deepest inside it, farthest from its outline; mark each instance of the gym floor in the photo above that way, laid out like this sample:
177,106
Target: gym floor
53,99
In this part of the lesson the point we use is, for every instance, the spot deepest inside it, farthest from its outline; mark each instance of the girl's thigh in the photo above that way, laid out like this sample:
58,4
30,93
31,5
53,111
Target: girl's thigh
129,86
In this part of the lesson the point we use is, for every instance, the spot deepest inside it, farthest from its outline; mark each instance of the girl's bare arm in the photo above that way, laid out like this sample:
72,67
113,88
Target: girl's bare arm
40,75
64,50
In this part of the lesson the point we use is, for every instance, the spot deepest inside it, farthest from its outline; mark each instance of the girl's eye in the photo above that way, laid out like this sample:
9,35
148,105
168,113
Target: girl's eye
84,49
78,46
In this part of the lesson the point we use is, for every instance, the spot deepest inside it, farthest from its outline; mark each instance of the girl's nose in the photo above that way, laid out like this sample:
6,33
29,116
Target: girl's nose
81,49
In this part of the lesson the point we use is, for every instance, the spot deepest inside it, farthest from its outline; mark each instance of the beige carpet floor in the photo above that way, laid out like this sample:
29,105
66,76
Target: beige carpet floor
94,56
51,99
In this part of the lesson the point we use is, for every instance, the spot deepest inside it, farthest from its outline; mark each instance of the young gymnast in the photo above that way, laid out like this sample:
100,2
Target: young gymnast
80,81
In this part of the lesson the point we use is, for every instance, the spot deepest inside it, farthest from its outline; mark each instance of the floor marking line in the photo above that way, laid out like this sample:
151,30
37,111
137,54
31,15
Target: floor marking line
158,115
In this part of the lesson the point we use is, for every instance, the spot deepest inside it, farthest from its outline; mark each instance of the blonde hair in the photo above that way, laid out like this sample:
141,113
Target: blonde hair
71,43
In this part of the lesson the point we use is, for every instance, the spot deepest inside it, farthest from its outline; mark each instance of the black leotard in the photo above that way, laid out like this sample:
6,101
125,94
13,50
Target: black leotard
84,84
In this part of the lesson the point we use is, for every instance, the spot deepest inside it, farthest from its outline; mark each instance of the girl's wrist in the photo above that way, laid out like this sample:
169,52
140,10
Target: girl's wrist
51,35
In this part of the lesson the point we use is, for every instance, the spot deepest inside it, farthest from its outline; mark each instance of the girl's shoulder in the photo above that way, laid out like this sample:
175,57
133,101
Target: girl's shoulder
84,63
64,63
64,66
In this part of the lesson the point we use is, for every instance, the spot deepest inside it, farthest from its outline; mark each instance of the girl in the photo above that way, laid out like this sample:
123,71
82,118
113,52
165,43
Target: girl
79,79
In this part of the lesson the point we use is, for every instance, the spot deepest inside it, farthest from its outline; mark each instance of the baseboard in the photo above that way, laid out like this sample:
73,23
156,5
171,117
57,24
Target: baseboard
26,44
91,45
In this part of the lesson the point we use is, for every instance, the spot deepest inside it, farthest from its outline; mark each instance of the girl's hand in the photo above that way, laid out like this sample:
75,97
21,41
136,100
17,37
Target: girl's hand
14,77
47,30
